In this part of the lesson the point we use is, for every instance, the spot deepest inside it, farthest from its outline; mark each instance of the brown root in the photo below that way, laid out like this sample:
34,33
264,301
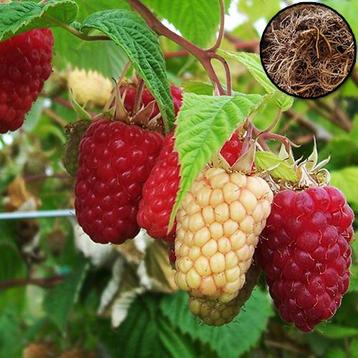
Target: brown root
308,50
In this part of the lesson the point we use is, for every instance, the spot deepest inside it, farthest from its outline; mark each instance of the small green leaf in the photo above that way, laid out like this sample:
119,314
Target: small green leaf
278,168
252,62
141,45
59,301
230,340
17,17
347,180
335,331
203,125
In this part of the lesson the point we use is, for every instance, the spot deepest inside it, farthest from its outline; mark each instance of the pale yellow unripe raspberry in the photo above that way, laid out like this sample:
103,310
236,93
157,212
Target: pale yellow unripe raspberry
218,226
89,87
216,313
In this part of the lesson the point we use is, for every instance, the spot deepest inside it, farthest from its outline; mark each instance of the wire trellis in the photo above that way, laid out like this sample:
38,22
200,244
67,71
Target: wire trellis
40,214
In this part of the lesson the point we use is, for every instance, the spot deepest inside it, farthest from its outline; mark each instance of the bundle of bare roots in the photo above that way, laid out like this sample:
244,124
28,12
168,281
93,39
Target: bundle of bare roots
308,50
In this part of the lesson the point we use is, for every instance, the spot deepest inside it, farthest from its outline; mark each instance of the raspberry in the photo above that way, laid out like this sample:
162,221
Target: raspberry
305,254
89,87
147,97
218,226
25,64
159,191
215,313
115,160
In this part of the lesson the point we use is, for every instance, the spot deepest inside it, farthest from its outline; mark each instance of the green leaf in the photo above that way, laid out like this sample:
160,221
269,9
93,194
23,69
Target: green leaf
353,285
141,45
12,265
347,180
252,62
17,17
353,349
197,20
335,331
256,9
203,125
278,168
336,352
87,8
104,57
146,332
11,335
198,87
231,340
59,301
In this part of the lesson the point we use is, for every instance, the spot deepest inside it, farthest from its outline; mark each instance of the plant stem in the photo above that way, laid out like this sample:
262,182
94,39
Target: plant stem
77,33
203,56
221,29
41,282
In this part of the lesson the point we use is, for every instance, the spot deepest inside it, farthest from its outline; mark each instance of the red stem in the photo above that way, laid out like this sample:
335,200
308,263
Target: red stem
203,56
41,282
173,54
222,27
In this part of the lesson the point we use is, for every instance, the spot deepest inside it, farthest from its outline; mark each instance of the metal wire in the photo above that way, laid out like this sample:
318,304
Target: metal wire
18,215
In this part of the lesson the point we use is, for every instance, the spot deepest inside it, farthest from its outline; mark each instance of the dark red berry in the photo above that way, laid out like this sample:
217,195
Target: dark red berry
305,254
25,64
115,159
159,191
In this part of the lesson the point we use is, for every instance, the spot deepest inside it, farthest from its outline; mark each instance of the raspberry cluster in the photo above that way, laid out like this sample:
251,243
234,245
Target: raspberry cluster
305,254
160,190
25,64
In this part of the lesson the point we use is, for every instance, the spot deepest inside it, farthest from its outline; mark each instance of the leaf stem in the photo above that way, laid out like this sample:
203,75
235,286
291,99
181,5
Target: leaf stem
221,29
77,33
204,56
41,282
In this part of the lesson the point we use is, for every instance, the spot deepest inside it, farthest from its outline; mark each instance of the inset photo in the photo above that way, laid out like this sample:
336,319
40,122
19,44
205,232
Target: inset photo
308,50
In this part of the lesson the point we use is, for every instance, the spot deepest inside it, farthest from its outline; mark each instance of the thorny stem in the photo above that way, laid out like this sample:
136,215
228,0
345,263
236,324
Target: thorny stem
204,56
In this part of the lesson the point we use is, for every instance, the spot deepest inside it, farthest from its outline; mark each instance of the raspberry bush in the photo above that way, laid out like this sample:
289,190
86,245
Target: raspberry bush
160,196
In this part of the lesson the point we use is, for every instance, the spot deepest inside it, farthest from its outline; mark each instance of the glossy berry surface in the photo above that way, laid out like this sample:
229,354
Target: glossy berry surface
305,253
115,160
25,64
159,191
147,97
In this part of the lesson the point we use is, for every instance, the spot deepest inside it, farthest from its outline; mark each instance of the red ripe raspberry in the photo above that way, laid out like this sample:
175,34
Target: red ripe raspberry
159,191
115,160
147,97
305,254
25,64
